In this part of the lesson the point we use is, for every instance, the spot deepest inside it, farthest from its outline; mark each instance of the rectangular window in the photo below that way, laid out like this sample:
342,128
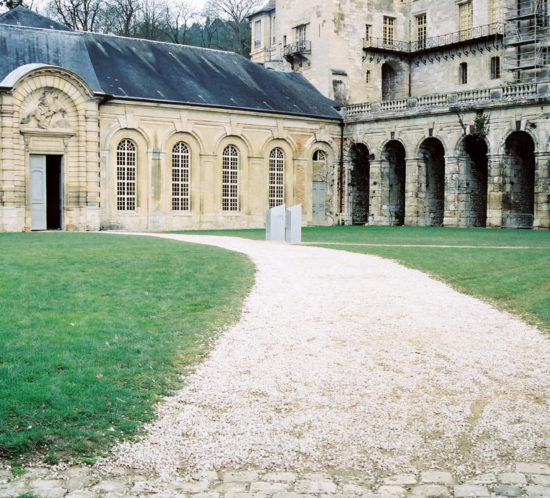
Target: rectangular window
465,16
368,30
463,73
257,33
421,30
301,32
495,68
367,76
389,30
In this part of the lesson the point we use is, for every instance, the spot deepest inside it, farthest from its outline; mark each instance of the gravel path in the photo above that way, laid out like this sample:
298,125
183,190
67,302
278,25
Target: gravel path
349,361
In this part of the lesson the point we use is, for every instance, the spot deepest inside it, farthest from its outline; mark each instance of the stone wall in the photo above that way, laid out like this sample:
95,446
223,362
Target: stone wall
501,179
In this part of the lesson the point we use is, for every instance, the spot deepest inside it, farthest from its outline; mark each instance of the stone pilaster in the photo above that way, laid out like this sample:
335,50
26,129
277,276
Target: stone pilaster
414,192
451,216
542,190
379,190
495,189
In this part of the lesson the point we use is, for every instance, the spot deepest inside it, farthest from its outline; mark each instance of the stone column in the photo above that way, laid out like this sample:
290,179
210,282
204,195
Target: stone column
542,190
495,189
414,192
344,191
379,190
451,211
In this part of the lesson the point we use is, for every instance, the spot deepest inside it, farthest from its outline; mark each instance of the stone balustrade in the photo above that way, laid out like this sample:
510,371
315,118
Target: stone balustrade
483,97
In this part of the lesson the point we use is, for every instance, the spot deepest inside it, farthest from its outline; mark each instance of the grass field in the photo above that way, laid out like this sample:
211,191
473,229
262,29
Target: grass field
95,328
515,277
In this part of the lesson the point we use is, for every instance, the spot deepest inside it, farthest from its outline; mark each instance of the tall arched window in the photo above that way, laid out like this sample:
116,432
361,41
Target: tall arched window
230,179
180,177
126,164
276,177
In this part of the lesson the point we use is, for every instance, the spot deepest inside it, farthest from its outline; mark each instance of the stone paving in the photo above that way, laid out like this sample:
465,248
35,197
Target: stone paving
524,479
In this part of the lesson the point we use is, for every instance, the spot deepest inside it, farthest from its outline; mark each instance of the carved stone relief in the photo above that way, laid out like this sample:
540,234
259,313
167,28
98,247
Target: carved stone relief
46,109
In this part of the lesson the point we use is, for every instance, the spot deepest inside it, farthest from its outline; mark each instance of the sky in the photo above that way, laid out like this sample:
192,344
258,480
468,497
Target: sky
41,4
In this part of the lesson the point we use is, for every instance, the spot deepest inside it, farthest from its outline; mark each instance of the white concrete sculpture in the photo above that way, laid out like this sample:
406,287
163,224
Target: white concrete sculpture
294,224
275,224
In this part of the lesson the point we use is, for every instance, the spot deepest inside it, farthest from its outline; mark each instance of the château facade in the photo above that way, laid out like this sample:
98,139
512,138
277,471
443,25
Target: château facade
445,104
105,132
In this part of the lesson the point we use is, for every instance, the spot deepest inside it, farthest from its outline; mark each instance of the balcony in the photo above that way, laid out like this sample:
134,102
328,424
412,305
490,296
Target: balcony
436,42
383,45
297,50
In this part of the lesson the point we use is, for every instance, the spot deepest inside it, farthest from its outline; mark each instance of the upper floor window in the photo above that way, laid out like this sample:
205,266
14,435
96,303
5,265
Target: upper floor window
495,68
276,177
421,30
368,32
257,33
126,165
301,33
389,30
180,177
465,19
230,179
463,73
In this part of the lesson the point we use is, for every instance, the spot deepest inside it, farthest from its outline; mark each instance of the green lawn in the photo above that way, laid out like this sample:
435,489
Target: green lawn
95,328
517,280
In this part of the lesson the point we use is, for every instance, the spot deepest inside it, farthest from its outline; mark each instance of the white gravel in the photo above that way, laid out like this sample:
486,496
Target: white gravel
349,361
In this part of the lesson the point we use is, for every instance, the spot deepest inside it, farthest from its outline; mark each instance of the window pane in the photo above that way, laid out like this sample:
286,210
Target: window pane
126,161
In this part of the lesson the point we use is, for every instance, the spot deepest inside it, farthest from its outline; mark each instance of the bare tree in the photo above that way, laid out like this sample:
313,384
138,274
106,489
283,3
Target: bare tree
178,21
121,17
235,12
83,15
151,25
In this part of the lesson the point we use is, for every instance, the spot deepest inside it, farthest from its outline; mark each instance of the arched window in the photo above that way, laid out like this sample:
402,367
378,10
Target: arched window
320,156
276,177
180,177
126,164
230,179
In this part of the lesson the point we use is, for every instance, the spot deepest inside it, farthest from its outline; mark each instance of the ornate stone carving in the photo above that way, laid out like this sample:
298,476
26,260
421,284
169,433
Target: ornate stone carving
48,113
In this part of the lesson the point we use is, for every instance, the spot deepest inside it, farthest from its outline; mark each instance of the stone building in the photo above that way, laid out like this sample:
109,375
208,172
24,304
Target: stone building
446,104
101,131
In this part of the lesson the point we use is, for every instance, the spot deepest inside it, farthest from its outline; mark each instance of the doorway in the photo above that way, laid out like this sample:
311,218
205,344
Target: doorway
46,192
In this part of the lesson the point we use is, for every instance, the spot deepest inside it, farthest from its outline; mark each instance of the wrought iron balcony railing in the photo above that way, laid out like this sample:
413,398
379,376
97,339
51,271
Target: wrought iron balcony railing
299,47
465,35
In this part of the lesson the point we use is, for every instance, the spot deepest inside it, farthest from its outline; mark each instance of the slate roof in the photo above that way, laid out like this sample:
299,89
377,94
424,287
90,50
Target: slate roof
20,16
138,69
269,7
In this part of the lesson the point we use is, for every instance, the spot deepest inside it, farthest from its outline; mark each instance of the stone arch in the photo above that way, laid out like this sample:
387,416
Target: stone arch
195,149
472,181
289,157
393,181
244,144
128,218
323,177
175,135
431,158
53,116
359,183
519,180
243,176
